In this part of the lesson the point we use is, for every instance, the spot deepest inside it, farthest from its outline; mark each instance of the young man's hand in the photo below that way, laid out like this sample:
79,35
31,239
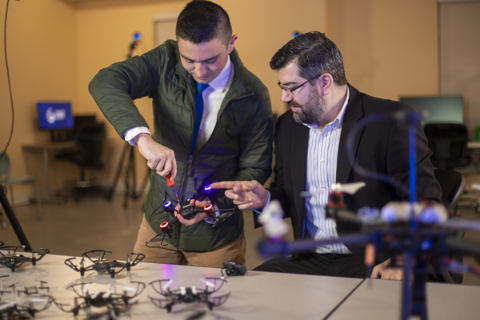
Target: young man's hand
159,158
197,218
245,194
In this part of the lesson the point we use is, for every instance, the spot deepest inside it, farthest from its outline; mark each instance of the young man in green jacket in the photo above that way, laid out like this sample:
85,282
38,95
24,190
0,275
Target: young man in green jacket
230,139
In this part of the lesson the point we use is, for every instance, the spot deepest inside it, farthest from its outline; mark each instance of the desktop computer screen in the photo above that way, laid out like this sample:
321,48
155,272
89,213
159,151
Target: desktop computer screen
441,109
54,115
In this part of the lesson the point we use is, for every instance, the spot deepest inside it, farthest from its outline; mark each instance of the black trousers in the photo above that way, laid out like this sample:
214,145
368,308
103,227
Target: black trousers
328,264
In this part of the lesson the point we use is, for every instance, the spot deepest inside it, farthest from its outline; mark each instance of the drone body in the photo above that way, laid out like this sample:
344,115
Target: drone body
115,303
14,259
187,211
188,294
101,265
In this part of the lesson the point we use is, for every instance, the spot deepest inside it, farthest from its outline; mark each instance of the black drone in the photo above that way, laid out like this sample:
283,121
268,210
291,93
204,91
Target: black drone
187,211
101,265
24,304
115,303
233,268
188,294
14,260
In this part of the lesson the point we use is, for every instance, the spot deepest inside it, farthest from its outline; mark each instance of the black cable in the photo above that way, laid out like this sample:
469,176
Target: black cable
343,300
8,77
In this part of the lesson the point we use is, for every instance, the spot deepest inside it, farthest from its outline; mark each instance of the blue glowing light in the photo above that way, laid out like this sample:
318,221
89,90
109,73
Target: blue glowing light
208,187
167,204
295,34
137,36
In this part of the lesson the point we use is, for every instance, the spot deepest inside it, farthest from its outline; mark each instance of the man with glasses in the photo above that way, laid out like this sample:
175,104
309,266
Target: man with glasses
311,154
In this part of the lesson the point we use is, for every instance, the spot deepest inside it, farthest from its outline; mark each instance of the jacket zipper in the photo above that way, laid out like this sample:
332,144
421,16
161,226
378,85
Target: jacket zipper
182,191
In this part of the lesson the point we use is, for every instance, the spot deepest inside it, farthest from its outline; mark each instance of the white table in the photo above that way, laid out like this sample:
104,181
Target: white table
257,295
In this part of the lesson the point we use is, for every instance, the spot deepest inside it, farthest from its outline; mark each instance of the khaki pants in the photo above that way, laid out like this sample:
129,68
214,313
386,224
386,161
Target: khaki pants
168,254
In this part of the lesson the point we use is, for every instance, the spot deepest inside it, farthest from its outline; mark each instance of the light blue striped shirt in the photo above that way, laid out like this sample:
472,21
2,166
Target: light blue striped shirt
321,174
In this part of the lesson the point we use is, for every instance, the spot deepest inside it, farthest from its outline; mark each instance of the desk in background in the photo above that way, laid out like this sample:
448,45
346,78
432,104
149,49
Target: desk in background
46,148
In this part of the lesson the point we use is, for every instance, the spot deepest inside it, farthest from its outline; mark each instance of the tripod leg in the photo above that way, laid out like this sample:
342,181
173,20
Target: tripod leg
13,219
144,183
127,188
133,193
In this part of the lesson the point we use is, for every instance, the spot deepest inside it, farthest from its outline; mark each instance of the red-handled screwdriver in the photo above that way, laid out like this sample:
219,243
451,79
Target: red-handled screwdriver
171,183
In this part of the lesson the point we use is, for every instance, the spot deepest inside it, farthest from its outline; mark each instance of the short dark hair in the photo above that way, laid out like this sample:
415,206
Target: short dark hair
201,21
314,54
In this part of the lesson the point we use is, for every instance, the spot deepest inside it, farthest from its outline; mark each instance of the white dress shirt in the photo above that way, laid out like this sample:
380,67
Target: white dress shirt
212,100
322,159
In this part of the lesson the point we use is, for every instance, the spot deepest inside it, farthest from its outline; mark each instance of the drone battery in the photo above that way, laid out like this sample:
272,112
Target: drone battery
188,211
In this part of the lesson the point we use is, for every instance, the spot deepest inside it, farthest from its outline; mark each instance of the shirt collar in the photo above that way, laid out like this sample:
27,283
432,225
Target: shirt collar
337,122
221,81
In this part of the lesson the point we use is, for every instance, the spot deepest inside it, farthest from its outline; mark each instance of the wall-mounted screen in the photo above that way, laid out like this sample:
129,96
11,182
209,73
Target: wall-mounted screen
54,115
440,109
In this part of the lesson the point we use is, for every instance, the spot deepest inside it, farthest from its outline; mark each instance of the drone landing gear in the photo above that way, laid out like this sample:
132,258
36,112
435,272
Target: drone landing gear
419,299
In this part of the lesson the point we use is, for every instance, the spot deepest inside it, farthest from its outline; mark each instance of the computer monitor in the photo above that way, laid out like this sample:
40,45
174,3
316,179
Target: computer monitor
54,115
440,109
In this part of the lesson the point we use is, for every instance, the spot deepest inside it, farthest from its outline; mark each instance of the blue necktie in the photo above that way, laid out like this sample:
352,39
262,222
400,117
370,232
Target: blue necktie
198,112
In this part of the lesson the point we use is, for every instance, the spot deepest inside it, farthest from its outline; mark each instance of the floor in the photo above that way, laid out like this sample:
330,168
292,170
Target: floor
96,223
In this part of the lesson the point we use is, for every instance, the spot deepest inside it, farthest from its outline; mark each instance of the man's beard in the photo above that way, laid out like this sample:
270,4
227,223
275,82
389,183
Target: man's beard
311,111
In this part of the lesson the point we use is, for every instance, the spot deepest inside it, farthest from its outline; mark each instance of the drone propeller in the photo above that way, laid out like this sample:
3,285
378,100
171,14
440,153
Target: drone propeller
167,285
208,283
350,188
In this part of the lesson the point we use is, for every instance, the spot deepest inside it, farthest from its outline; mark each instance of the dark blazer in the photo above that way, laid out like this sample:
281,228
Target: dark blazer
379,146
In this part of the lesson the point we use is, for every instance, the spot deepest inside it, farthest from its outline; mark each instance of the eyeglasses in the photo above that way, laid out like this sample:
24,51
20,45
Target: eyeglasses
290,90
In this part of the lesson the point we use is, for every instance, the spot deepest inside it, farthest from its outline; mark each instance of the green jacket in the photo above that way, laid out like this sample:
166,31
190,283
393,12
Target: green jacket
240,147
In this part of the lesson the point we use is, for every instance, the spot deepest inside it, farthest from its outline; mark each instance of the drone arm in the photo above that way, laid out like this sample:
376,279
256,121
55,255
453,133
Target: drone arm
138,258
41,253
219,300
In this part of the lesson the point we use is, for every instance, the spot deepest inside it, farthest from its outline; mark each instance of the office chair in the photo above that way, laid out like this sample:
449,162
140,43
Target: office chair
89,139
453,184
10,181
448,142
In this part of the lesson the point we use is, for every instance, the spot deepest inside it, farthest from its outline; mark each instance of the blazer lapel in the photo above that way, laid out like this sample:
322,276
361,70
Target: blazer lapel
298,156
353,114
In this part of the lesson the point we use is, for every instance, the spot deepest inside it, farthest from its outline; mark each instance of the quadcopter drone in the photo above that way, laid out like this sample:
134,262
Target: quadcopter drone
115,303
101,265
24,304
233,268
188,294
187,211
14,260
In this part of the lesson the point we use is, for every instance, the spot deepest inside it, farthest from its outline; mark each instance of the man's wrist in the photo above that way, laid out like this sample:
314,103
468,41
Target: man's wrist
141,137
132,133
